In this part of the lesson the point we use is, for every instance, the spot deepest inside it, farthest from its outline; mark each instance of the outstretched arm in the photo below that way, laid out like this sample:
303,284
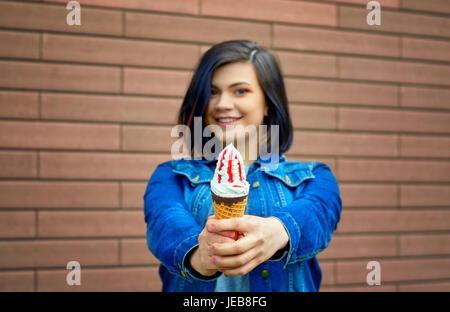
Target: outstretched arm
171,229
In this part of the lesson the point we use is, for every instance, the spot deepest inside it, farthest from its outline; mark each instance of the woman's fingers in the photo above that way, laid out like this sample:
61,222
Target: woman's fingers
244,269
232,224
237,247
236,257
230,234
227,233
216,238
236,261
257,240
219,239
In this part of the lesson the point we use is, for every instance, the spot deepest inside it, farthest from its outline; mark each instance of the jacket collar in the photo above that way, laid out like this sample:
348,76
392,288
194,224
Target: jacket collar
259,161
202,170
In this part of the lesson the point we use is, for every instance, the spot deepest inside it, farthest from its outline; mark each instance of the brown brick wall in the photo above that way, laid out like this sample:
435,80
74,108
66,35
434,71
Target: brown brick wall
86,113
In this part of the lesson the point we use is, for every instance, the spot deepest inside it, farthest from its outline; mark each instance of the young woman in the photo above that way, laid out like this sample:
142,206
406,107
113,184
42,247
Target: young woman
292,208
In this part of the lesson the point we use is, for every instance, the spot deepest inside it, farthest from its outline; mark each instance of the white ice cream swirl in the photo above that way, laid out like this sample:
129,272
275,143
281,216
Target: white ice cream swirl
222,184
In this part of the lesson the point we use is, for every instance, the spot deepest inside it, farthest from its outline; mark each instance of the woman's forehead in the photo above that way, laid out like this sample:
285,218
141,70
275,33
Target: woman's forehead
230,74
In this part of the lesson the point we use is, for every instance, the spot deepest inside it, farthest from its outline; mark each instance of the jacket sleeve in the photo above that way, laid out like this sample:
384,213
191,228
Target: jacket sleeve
312,217
171,230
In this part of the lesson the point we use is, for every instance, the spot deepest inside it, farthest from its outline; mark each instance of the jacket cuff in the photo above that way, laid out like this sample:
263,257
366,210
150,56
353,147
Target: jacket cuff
180,254
281,253
192,272
293,230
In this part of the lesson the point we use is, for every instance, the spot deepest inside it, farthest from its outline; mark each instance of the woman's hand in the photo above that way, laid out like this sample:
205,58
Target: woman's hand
201,258
261,239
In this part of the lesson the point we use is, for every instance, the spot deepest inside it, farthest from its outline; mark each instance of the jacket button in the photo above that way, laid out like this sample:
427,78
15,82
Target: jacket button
256,184
181,270
288,180
264,274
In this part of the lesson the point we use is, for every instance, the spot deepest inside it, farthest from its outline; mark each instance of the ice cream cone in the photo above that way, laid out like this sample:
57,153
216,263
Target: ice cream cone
228,207
229,187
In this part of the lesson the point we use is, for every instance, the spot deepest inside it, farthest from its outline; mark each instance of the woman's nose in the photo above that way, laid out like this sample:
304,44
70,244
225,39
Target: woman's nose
224,102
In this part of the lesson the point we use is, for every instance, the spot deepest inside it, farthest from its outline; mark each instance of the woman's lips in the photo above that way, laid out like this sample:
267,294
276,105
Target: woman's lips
227,123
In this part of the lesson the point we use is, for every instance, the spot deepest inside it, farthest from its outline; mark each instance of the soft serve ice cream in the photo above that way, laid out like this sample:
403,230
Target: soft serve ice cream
229,187
229,177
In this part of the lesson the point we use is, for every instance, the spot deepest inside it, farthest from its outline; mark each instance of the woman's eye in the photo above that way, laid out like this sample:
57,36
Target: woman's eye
244,91
213,92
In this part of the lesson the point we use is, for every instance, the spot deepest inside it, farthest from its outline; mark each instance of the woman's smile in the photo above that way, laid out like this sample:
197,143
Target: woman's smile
226,121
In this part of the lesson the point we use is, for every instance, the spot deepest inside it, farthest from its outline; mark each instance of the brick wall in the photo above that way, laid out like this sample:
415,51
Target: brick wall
86,113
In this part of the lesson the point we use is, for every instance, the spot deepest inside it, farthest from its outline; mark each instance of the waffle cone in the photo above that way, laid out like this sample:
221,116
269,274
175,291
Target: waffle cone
227,207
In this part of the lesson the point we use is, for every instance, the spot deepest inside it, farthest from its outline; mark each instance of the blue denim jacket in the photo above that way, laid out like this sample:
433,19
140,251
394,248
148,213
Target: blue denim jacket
304,196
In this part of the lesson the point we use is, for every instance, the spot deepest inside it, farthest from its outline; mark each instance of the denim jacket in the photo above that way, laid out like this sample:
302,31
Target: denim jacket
304,196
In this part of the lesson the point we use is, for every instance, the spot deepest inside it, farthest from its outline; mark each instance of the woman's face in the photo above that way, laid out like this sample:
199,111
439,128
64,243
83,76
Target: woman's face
236,100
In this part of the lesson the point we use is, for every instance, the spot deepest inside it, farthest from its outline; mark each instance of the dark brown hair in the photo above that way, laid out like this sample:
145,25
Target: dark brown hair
269,76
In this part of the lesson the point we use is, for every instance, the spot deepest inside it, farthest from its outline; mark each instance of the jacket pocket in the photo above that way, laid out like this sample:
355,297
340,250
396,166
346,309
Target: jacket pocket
197,192
287,182
283,192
